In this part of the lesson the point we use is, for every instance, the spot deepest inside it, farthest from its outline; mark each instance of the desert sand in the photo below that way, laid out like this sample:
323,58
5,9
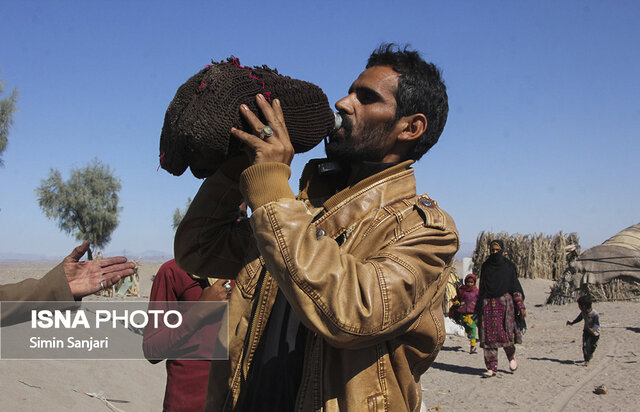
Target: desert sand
131,385
550,375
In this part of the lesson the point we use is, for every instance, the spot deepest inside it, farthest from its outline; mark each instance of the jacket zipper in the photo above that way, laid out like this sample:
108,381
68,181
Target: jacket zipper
251,328
241,367
307,371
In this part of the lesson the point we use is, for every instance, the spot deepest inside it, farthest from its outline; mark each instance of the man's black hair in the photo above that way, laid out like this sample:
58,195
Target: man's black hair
420,90
585,301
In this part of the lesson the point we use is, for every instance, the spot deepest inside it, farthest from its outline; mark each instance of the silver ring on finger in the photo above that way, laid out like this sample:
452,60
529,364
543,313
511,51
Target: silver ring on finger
266,133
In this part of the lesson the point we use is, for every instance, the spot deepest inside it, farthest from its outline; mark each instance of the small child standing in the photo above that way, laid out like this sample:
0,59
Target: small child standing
468,296
591,331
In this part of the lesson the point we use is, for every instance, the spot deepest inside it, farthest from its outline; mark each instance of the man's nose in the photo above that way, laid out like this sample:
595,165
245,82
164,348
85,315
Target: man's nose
344,105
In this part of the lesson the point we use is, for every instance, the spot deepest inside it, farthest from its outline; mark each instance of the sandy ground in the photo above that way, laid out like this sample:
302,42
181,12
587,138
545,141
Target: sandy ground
550,375
132,385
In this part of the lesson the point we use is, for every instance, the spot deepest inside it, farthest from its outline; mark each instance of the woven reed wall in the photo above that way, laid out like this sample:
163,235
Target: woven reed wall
536,256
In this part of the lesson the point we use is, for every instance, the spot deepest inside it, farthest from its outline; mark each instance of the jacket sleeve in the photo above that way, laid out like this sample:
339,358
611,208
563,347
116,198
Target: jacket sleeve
54,286
351,302
518,302
209,241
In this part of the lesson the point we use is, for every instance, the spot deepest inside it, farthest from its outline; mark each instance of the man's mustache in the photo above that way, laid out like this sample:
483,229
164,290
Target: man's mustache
347,124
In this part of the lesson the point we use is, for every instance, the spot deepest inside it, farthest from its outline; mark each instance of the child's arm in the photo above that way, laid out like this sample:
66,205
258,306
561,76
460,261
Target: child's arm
576,320
596,325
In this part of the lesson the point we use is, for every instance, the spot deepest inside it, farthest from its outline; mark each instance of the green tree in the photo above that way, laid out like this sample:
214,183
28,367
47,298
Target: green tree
179,214
86,205
7,108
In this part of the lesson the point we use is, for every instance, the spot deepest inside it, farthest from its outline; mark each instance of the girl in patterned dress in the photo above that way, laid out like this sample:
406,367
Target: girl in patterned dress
467,298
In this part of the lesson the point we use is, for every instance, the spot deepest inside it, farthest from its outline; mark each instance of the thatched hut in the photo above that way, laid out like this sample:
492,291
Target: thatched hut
453,283
610,271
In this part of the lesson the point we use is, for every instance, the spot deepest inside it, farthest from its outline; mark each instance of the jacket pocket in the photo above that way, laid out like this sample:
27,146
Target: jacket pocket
248,278
376,403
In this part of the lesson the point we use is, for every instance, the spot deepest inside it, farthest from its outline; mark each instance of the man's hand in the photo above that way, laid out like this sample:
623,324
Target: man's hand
216,292
569,323
89,277
523,312
275,148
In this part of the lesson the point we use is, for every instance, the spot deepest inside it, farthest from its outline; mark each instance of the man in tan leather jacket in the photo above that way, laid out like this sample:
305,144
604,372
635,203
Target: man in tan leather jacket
337,305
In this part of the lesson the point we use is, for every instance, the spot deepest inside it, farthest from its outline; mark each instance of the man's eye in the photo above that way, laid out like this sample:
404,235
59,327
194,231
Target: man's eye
366,98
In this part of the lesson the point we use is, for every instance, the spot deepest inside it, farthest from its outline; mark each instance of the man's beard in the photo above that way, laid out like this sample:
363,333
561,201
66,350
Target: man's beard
370,147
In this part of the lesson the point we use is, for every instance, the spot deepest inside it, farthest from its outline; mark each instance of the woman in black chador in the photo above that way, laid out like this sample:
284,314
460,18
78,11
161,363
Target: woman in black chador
501,309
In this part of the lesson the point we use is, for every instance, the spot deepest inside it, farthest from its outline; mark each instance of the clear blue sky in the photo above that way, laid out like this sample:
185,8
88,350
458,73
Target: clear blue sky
543,125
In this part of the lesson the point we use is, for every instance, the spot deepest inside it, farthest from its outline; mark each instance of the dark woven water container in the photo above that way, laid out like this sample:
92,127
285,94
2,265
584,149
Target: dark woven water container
197,124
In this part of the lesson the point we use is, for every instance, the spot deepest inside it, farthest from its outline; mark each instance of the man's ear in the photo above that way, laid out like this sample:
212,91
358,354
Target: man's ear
414,126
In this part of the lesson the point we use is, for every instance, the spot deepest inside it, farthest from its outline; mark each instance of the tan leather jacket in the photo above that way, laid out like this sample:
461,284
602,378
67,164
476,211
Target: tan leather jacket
364,270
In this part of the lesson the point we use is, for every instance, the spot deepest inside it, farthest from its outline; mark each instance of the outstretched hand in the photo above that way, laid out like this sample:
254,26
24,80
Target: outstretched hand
89,277
275,148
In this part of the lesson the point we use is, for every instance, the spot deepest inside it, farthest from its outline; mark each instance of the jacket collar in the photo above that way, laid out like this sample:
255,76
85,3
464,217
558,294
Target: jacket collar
352,203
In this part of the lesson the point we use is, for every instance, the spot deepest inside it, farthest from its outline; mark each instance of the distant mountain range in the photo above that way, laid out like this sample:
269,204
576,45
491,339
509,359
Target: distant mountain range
24,257
147,256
